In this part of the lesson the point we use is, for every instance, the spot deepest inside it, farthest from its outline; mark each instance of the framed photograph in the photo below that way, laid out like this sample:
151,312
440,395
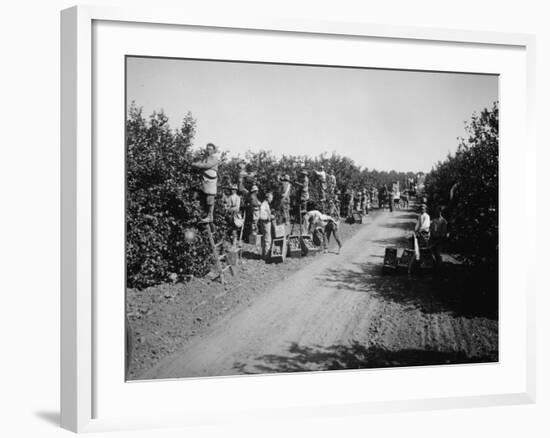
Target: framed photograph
284,218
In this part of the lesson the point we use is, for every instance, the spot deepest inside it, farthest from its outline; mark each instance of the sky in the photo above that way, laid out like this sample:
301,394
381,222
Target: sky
382,119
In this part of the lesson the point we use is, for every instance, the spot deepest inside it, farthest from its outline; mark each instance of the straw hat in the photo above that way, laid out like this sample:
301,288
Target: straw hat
254,188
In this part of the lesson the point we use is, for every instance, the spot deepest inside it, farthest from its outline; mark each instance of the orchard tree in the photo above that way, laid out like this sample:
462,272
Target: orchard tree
467,184
162,207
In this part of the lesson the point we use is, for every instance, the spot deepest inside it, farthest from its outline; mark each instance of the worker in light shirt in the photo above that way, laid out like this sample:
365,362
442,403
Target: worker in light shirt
423,222
265,218
422,227
326,225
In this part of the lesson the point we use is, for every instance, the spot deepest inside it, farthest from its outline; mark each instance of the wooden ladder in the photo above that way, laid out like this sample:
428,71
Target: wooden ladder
220,260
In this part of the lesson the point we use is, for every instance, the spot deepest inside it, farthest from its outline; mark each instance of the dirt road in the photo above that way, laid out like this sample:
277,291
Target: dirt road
342,311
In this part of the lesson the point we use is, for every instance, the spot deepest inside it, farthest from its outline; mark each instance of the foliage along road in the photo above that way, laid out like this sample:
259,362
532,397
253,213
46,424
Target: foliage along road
342,312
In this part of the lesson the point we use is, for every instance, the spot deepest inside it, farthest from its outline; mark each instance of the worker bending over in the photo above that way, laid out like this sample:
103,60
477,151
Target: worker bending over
325,225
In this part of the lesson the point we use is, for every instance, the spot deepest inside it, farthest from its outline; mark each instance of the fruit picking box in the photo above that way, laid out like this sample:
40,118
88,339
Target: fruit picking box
357,217
278,249
254,239
406,258
279,230
294,246
308,247
390,258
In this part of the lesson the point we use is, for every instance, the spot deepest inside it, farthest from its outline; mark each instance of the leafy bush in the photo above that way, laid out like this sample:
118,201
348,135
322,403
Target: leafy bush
472,212
161,201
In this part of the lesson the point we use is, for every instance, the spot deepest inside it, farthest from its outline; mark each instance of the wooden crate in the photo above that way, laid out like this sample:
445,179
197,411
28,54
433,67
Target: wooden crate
390,258
426,258
406,258
278,249
255,239
357,217
279,231
308,247
294,246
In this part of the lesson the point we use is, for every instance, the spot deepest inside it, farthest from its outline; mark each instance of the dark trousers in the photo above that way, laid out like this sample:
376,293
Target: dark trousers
331,229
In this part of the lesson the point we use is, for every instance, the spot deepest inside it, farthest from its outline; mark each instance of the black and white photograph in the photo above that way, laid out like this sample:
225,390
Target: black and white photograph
285,218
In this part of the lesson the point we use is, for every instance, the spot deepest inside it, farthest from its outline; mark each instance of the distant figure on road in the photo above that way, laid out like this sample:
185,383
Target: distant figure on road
405,199
209,168
365,203
382,196
389,199
351,194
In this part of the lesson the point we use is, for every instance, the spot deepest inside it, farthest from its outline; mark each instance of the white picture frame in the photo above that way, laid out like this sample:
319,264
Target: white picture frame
82,369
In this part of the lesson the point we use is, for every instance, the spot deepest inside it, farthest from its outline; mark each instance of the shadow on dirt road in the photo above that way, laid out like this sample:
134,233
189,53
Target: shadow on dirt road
352,356
455,289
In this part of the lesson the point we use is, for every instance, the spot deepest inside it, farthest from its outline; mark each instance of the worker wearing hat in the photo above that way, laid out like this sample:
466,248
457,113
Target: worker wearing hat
337,201
351,200
265,218
254,205
322,174
365,201
233,210
243,177
303,183
331,183
209,168
285,198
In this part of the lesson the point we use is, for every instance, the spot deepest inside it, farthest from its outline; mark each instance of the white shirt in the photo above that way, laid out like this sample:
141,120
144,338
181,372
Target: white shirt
318,218
265,211
423,224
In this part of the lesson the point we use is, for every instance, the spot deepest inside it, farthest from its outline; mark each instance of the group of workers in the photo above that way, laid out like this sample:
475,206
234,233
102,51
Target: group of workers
431,232
393,197
324,220
260,211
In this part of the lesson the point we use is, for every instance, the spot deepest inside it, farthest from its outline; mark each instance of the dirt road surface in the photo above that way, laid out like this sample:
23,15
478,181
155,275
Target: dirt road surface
342,312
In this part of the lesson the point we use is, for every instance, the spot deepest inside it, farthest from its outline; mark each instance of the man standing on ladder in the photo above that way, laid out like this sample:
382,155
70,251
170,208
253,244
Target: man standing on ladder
285,198
331,184
244,176
233,209
209,168
322,174
304,195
